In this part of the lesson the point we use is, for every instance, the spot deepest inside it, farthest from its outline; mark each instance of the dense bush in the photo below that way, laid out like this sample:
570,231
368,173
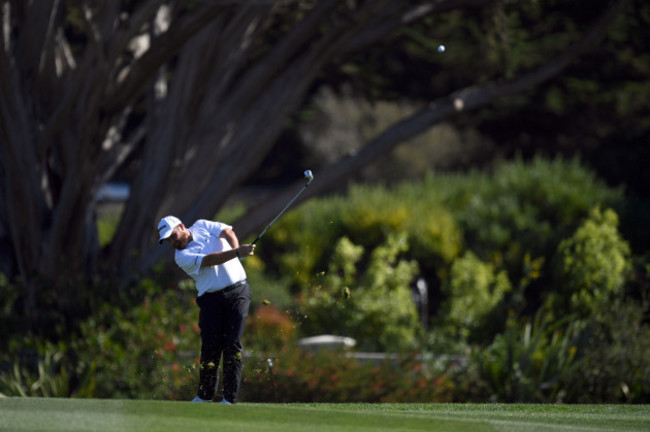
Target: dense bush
373,304
472,292
615,368
522,207
144,351
294,375
302,243
371,214
532,361
38,372
511,219
592,266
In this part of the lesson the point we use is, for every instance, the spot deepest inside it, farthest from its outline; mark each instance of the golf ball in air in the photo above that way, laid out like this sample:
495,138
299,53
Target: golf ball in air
441,48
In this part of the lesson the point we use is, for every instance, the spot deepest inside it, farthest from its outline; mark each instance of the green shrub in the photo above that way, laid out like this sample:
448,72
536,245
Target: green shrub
472,292
303,242
149,350
519,209
379,312
146,350
511,219
265,287
532,361
374,213
522,207
615,368
591,266
45,375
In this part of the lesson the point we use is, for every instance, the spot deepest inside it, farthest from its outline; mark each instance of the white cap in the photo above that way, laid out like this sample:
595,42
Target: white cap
166,226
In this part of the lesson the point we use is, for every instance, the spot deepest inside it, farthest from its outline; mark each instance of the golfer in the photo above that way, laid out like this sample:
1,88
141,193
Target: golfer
209,252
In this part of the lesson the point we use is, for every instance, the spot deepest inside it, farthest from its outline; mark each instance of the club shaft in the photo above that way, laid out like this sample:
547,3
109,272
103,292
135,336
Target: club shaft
281,212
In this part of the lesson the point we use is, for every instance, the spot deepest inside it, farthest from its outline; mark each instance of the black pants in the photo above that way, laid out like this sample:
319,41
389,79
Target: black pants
222,319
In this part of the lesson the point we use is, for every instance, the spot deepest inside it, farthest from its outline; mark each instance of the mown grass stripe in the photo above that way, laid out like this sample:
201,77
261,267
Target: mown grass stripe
53,415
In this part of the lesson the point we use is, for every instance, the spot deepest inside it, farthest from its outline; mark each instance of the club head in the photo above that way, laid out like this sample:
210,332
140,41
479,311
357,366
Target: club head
309,176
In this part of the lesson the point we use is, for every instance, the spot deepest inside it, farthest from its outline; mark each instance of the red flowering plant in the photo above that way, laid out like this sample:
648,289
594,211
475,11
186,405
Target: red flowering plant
146,351
296,375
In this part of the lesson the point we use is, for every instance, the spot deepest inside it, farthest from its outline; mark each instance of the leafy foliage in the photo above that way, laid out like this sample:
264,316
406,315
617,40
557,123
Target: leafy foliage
592,265
294,375
524,207
379,312
45,376
302,242
615,367
146,351
494,231
472,292
531,361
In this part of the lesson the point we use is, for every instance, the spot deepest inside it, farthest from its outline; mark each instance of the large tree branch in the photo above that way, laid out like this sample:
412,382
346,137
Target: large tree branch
238,47
58,120
467,99
285,86
132,27
167,45
300,36
217,133
206,137
32,44
173,137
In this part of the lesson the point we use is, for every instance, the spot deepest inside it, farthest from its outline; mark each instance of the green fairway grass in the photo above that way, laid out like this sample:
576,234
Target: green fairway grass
51,415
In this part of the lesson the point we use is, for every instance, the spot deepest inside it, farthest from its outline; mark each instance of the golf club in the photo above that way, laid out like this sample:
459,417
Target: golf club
309,176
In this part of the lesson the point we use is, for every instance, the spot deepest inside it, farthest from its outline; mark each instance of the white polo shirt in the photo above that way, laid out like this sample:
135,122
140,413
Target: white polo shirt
205,240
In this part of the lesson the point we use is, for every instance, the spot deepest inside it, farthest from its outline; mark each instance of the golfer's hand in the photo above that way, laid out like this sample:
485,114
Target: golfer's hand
246,250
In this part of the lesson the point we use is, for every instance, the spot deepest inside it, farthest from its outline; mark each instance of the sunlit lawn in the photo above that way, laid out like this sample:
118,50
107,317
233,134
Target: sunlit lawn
37,414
